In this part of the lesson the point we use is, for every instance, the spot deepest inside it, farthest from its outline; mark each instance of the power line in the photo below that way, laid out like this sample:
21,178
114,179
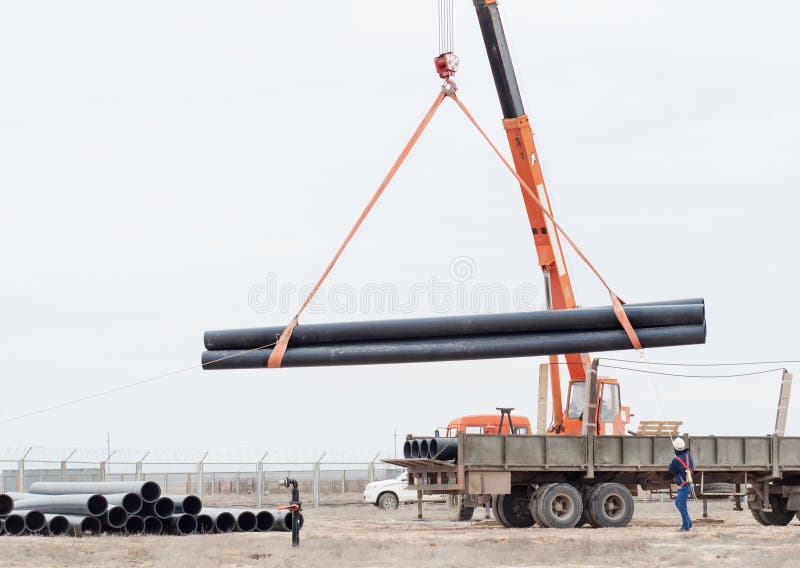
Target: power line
739,364
729,376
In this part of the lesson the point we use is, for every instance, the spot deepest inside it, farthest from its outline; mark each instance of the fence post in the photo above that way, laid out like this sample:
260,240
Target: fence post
344,479
62,475
260,481
200,475
21,470
316,481
371,469
139,474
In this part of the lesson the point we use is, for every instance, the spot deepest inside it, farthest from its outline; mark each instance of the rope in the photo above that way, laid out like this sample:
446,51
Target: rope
125,386
276,357
740,364
615,301
726,376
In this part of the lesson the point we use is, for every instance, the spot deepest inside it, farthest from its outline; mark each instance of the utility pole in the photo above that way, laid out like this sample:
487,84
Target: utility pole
395,442
108,445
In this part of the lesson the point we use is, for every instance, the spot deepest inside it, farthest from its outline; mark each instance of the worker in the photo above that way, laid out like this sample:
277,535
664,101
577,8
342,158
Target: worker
681,467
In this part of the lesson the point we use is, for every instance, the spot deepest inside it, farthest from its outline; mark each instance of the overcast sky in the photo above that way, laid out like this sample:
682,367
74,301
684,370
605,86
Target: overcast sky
164,165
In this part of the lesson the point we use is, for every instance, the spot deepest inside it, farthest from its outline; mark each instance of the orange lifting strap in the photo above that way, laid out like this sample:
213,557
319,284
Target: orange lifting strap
276,357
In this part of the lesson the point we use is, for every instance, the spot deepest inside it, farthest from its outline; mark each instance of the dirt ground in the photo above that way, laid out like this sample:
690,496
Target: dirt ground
361,535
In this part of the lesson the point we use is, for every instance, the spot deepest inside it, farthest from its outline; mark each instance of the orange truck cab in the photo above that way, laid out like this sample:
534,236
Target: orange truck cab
488,424
612,417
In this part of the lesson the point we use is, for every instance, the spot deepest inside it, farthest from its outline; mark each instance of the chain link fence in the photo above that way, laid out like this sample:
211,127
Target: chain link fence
219,482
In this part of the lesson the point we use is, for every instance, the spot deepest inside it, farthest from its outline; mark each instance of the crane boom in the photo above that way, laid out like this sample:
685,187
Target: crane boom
558,287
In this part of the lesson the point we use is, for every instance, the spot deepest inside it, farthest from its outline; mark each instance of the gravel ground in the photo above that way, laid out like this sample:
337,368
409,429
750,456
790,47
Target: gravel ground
362,535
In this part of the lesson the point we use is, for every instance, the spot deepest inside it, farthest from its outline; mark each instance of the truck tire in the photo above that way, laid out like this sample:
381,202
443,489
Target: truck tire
388,501
458,511
496,511
586,516
779,516
611,505
514,508
558,505
711,490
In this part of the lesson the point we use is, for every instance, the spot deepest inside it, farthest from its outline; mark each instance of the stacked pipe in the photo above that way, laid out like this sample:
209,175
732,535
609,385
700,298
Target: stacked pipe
126,508
442,449
521,334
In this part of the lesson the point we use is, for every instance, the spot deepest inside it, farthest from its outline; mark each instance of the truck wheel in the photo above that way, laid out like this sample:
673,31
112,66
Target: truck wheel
779,516
586,516
458,512
497,512
559,505
388,501
515,508
611,505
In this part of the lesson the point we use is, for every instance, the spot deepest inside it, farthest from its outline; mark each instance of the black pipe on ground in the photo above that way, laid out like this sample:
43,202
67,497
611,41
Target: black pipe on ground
114,518
148,490
443,448
205,524
35,521
78,504
84,525
180,524
283,520
224,522
15,524
131,502
134,525
6,503
458,349
189,504
153,525
671,313
163,508
57,525
265,520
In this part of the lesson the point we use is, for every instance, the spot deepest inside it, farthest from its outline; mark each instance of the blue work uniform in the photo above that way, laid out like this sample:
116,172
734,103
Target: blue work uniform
678,468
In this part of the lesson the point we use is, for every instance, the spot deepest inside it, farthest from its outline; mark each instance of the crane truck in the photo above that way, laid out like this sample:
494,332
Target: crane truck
584,469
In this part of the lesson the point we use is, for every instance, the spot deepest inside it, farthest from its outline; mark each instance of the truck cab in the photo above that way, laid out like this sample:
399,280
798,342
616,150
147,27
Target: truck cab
612,417
488,424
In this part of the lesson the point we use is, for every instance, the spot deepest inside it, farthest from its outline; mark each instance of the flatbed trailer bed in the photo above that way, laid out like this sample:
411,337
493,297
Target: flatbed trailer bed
496,470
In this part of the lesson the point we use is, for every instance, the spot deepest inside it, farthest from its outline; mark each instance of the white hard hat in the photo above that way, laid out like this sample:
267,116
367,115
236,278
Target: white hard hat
678,444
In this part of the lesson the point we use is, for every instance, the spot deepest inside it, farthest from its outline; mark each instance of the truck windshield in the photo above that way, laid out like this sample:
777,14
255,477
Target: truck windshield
577,399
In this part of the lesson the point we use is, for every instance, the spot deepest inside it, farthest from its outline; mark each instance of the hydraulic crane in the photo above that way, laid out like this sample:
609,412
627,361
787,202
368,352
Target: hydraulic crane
611,416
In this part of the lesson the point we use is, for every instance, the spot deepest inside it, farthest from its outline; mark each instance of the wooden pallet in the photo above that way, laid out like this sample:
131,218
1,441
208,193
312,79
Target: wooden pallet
658,427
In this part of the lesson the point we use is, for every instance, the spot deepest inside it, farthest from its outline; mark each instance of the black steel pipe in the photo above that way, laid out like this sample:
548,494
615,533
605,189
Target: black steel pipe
414,449
224,521
2,527
134,525
34,520
423,448
180,524
57,525
283,520
131,502
153,525
265,520
205,524
79,504
458,349
6,503
163,507
443,448
15,524
407,449
84,525
148,490
114,518
189,504
579,319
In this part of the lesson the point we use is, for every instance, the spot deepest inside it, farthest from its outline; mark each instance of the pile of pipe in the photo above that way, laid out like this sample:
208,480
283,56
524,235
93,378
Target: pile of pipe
520,334
442,449
125,508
